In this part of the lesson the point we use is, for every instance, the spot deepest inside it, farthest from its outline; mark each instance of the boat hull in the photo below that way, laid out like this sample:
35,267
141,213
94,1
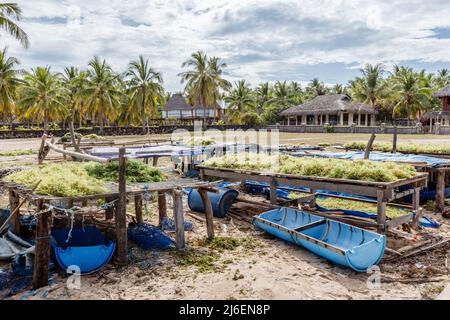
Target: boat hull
338,242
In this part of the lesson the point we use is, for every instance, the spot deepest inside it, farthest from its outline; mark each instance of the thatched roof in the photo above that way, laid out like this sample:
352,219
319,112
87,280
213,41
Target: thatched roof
445,92
177,102
329,104
436,114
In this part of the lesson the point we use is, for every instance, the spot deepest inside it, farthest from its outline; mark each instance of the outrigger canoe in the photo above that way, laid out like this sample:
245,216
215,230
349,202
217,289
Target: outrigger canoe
338,242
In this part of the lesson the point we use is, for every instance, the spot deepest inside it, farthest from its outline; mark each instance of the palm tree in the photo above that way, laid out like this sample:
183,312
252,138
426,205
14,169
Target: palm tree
9,13
283,97
371,86
102,91
297,92
42,95
204,81
9,82
145,86
442,78
240,101
410,98
74,82
263,96
316,88
339,89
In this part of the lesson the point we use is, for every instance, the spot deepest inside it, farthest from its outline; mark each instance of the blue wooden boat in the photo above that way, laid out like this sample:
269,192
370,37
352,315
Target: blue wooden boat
338,242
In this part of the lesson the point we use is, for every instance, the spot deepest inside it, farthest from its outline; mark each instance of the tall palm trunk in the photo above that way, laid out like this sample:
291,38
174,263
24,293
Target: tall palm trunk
45,120
71,128
143,112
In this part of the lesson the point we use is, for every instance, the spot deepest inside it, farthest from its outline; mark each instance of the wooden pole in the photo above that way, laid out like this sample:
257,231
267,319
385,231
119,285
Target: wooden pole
42,249
273,192
42,154
208,212
76,155
440,189
369,146
394,139
381,212
138,208
179,218
162,205
109,212
121,218
14,203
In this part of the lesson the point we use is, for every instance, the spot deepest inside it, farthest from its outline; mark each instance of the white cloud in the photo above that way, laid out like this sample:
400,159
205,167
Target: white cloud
258,39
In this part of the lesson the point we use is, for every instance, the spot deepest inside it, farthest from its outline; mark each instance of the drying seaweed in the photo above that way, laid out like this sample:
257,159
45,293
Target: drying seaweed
403,148
136,172
59,180
363,170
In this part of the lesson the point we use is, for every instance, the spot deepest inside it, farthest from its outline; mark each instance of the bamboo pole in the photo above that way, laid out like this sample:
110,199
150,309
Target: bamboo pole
77,155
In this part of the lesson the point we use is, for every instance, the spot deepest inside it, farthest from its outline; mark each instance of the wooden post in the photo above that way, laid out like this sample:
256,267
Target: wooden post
121,219
369,146
162,205
42,249
440,189
14,201
416,199
312,203
381,212
179,218
109,212
138,208
273,192
42,150
208,212
155,161
394,140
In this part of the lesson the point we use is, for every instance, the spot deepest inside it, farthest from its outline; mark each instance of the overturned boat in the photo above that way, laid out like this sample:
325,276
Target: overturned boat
338,242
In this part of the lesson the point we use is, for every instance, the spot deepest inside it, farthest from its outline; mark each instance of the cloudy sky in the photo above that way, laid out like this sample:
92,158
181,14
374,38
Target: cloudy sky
263,40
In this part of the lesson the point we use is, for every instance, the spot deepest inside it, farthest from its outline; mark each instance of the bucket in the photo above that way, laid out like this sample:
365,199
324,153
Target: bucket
220,201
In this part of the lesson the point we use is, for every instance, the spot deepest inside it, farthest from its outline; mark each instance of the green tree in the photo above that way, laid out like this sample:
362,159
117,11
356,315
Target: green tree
42,95
145,87
102,92
10,13
263,96
371,87
9,83
240,101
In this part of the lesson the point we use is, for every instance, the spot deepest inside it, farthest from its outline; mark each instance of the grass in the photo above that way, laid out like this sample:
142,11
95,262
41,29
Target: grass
362,170
136,172
17,153
402,147
59,180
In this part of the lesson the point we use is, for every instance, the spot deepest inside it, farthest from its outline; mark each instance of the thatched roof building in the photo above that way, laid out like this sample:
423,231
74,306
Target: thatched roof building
178,108
336,109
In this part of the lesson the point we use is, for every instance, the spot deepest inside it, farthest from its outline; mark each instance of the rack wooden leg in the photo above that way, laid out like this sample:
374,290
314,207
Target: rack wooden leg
179,219
209,213
42,249
273,193
109,212
14,201
138,209
121,219
381,212
440,196
162,205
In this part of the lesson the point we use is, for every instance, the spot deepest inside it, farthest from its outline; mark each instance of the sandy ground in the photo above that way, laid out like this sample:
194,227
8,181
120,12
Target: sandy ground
258,267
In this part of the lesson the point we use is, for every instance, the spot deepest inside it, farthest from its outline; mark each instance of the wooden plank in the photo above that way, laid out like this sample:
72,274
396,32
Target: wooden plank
162,206
208,212
179,219
138,209
121,218
392,224
440,189
42,249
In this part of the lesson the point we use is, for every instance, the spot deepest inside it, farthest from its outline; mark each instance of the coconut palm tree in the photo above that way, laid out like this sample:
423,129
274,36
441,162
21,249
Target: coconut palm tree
240,101
9,82
102,91
371,86
263,96
145,86
9,14
42,95
316,88
410,98
283,97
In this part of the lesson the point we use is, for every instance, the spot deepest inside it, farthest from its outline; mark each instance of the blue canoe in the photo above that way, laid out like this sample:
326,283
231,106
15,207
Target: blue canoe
87,248
338,242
